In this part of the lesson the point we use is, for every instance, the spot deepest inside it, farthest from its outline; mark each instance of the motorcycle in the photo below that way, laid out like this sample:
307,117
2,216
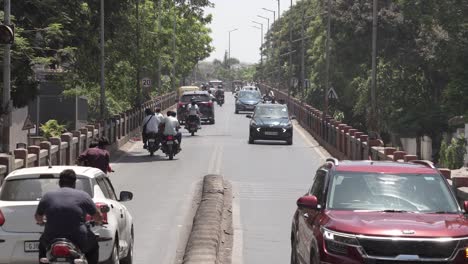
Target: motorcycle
63,251
191,125
153,143
220,101
170,146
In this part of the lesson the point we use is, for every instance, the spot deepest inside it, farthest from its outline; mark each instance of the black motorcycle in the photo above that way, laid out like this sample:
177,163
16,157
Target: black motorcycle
153,143
220,101
170,146
191,124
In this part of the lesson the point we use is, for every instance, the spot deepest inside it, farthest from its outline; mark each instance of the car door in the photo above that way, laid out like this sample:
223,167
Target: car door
308,218
124,226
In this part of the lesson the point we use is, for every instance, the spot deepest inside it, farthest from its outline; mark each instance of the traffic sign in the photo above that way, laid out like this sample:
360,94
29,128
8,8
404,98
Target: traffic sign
28,124
146,82
332,94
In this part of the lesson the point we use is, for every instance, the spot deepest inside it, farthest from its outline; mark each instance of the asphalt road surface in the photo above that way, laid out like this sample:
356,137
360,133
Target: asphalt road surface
267,179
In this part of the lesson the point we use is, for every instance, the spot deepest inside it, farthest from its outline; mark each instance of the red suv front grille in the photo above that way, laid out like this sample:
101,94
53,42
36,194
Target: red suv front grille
392,248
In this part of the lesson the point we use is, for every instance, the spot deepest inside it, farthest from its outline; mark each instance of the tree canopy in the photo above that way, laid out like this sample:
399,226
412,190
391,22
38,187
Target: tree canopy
64,36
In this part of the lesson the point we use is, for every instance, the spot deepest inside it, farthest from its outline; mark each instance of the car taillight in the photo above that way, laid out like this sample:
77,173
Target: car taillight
170,138
60,250
104,215
2,218
210,104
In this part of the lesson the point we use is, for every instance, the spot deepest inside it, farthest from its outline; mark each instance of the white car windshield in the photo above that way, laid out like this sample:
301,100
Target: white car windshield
418,193
32,189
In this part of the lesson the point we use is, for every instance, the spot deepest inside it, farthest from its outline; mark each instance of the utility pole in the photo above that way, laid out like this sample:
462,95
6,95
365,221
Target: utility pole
103,89
6,104
303,55
327,74
373,123
290,53
174,50
159,46
279,12
138,99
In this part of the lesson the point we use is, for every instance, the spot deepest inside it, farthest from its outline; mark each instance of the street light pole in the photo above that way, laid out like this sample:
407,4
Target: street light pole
261,47
303,55
174,50
229,51
279,12
268,22
261,40
138,99
327,74
271,11
6,104
373,123
159,46
103,89
290,54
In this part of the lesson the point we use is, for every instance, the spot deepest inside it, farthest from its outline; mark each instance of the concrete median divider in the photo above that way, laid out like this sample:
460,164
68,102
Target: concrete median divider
205,239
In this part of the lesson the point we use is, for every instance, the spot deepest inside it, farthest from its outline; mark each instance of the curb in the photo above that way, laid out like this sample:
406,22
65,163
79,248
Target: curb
205,238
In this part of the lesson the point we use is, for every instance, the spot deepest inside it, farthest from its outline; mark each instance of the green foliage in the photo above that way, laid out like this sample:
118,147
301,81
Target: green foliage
422,60
64,36
452,155
52,129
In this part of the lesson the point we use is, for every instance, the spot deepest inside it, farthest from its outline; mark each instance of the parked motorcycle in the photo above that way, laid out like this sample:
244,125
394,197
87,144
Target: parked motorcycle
153,143
191,125
170,146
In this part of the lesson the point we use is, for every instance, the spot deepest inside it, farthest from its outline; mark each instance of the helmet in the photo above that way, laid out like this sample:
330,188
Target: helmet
148,111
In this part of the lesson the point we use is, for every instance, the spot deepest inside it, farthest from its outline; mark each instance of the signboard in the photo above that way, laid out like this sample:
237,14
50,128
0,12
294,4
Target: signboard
332,94
146,82
28,124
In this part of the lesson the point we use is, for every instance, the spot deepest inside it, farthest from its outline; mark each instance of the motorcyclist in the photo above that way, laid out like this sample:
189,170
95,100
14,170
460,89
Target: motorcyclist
150,126
212,98
172,126
158,114
220,94
194,112
97,157
65,210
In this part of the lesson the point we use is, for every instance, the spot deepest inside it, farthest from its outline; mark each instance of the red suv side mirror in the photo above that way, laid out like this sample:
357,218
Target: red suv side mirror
465,206
308,202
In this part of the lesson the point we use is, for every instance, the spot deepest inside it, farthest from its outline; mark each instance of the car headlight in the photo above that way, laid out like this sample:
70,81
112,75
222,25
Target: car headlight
338,243
258,129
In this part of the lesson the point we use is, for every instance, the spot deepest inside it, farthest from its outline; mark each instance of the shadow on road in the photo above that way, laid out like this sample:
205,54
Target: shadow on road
270,143
134,158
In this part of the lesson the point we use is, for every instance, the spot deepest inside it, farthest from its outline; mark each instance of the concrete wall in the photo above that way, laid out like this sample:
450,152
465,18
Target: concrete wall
64,150
17,135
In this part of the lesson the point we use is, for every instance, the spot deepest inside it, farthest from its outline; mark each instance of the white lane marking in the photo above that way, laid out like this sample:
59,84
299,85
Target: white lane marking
299,130
238,247
219,161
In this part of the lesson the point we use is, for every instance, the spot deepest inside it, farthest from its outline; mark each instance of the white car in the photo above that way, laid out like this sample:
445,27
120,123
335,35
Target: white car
20,194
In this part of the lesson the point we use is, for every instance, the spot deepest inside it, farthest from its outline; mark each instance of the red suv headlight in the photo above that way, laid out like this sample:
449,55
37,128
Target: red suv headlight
338,243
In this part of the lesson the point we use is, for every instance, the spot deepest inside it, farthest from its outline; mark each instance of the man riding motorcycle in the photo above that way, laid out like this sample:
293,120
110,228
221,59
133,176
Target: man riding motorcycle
65,210
171,127
194,112
150,126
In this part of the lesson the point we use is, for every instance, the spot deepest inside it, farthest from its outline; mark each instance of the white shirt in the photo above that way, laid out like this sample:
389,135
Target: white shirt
193,109
153,124
160,117
171,124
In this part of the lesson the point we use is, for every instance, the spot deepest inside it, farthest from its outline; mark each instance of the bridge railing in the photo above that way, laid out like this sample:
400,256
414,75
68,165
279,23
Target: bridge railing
64,150
345,142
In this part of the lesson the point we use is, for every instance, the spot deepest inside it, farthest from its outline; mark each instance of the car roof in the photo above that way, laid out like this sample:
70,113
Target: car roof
28,172
195,93
384,167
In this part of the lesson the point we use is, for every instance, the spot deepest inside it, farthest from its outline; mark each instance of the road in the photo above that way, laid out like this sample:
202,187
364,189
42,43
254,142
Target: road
267,179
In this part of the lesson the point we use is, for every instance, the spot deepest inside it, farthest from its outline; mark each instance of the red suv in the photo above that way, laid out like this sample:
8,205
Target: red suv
376,212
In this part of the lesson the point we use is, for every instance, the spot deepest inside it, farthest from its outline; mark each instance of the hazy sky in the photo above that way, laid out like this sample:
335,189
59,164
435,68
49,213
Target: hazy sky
231,14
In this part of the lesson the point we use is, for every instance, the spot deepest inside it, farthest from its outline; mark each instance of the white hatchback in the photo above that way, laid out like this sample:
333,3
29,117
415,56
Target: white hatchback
20,194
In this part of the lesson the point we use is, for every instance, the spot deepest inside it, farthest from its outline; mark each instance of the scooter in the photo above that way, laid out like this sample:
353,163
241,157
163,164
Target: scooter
170,146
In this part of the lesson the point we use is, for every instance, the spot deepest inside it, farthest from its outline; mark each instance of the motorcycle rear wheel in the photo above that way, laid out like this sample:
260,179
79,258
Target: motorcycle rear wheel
170,152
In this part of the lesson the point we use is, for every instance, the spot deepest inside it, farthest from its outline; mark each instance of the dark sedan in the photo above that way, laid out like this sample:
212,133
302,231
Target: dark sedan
247,100
271,122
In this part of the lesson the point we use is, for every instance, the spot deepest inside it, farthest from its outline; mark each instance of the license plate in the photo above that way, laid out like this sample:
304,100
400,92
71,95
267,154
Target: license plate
271,133
170,142
152,140
31,246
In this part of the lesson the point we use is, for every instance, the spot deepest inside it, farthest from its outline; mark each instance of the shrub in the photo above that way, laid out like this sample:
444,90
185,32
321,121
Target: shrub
52,129
452,155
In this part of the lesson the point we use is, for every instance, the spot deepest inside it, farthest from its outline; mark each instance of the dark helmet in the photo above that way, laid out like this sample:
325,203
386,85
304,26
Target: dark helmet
148,111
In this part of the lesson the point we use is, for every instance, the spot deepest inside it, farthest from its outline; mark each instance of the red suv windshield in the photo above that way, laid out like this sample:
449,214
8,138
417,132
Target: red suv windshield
418,193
